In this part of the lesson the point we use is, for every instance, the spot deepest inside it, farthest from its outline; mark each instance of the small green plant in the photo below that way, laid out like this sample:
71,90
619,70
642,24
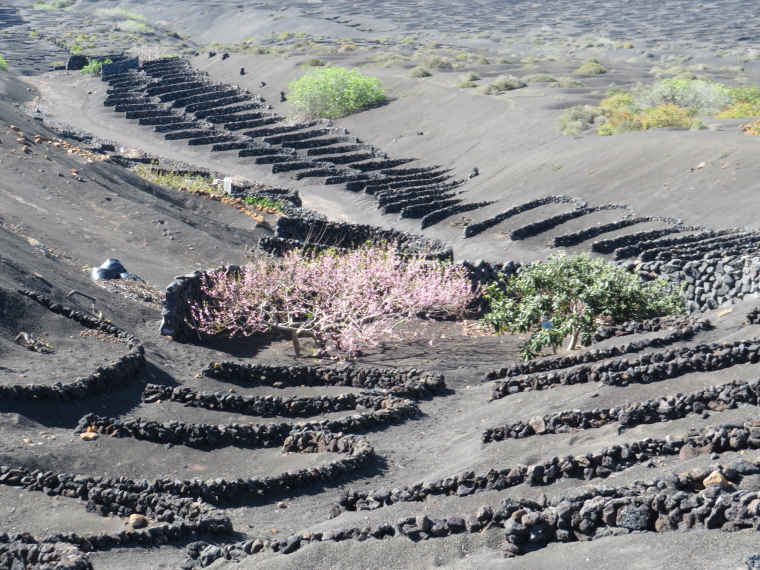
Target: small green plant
501,84
314,62
591,67
262,202
333,92
419,72
468,80
53,4
3,64
665,116
94,67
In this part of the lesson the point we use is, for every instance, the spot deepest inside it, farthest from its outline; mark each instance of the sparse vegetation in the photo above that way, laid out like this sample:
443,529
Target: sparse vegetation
419,72
591,67
468,80
333,92
94,67
132,27
701,95
3,64
119,14
53,4
501,84
577,119
566,83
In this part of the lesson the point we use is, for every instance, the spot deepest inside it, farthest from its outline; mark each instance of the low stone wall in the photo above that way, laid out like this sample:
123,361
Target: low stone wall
661,409
685,330
610,459
645,368
575,238
656,324
434,217
105,379
701,498
535,228
480,227
110,70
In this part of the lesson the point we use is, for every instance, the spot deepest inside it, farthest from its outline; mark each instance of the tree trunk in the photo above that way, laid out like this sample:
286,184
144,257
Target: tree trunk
573,339
296,343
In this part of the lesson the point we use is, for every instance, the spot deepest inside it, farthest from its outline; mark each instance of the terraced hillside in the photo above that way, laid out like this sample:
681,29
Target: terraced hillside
128,439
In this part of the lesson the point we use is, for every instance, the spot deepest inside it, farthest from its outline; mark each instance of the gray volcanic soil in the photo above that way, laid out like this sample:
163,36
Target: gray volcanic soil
156,232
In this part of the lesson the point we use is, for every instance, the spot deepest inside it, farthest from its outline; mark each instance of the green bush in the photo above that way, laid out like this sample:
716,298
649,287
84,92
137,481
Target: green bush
3,64
566,296
119,14
702,95
501,84
53,4
467,80
591,67
333,92
745,93
539,78
94,67
577,119
435,62
741,110
419,72
314,62
133,27
665,116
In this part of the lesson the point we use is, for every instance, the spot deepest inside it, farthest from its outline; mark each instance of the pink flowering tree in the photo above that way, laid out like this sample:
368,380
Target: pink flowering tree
341,300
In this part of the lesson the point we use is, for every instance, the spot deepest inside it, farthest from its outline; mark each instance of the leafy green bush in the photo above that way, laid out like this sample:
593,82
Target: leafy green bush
591,67
741,110
666,116
133,27
314,62
119,14
53,4
702,95
3,64
436,62
333,92
261,202
745,93
539,78
419,72
577,119
501,84
94,66
566,296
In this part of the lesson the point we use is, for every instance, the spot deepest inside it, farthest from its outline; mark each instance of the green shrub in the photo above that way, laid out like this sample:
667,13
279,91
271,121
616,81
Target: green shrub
703,95
132,27
665,116
436,62
501,84
314,62
333,92
539,78
741,110
119,14
3,64
567,83
577,119
566,296
745,93
591,67
419,72
94,66
261,202
53,4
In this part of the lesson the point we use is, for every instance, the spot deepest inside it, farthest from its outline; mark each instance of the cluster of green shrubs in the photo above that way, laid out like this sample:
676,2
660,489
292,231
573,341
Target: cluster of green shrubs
53,4
665,103
3,64
94,66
